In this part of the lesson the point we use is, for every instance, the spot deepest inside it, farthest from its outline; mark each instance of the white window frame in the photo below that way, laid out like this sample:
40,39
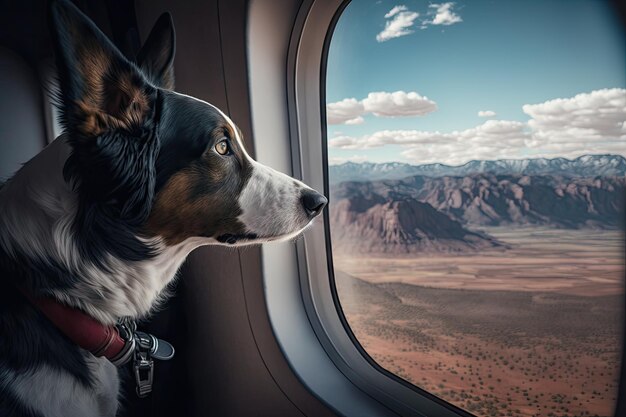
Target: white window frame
301,298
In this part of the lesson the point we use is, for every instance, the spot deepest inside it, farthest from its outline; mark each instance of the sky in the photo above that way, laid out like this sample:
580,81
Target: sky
423,82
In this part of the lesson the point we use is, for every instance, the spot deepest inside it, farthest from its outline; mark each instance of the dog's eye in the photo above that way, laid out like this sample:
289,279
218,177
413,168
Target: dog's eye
222,147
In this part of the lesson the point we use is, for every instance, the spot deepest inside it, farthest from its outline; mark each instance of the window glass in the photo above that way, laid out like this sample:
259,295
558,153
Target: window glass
477,185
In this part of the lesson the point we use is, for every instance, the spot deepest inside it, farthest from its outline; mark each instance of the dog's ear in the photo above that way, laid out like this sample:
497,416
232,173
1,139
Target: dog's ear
100,89
156,57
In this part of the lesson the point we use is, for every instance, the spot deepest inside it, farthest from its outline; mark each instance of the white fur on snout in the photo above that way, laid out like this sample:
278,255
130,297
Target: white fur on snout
271,204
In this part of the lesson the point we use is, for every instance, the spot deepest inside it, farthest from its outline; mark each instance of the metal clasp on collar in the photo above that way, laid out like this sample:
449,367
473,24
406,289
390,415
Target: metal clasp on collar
142,348
147,348
144,365
144,373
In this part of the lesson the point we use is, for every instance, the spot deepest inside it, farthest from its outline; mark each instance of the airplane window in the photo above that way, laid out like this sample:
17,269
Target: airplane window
477,168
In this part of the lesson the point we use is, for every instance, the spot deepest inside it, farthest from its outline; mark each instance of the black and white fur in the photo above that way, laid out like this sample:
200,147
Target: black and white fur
105,215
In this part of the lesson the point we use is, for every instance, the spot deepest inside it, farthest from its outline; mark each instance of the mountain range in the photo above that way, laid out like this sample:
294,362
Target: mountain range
583,166
388,209
497,200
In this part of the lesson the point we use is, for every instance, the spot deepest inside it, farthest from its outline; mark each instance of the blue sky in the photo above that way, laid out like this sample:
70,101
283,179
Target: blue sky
482,55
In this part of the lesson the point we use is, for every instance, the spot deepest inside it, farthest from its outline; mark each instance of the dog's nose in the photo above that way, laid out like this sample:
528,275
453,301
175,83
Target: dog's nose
313,202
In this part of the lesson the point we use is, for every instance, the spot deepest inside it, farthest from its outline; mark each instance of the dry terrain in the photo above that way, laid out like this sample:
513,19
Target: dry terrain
534,330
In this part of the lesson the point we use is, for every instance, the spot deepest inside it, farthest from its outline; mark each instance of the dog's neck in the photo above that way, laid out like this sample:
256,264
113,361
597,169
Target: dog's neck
37,210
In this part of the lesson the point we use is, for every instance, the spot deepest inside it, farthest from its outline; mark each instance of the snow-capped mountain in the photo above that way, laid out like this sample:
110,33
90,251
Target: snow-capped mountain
583,166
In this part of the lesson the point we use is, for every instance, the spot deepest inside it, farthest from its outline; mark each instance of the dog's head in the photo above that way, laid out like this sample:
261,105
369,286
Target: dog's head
165,164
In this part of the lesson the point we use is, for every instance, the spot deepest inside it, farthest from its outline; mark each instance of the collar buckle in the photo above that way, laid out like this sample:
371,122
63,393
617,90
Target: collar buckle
147,347
144,373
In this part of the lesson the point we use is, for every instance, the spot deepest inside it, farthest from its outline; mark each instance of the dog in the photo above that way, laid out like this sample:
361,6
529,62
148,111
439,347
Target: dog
101,219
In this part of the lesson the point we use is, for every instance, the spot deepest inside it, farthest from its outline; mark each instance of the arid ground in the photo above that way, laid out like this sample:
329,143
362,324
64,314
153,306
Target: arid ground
534,330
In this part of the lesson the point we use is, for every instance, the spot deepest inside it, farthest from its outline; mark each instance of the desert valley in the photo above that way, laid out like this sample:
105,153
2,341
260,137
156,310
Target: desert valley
499,291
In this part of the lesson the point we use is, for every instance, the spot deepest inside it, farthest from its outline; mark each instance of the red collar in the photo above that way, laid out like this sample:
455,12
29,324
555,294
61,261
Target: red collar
84,330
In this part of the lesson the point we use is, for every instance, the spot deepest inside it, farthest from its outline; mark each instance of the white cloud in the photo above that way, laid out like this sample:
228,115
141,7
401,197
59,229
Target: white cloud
337,160
491,140
395,11
401,21
501,132
593,122
486,113
381,104
343,111
444,14
588,117
356,121
398,104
